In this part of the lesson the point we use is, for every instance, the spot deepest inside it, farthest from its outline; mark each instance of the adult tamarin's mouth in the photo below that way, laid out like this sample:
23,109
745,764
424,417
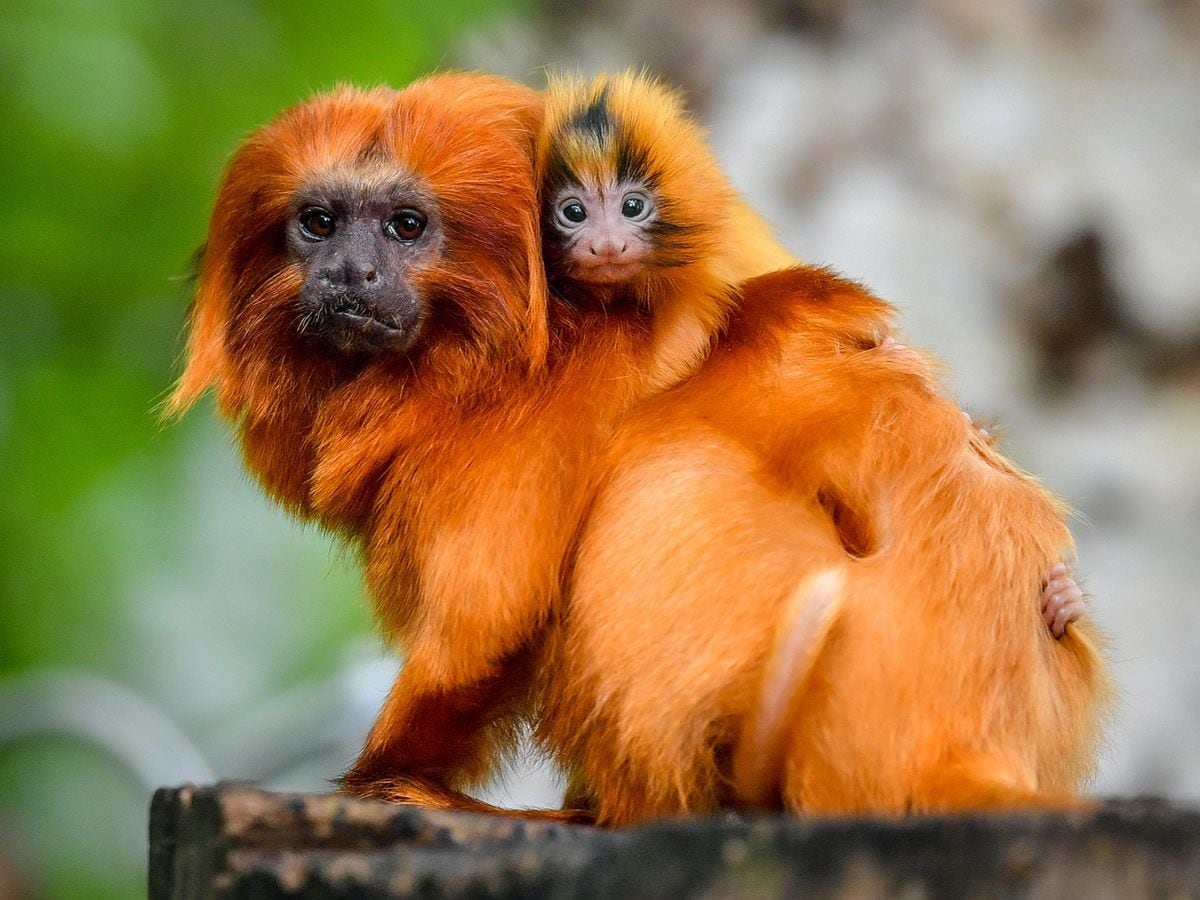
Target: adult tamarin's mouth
351,324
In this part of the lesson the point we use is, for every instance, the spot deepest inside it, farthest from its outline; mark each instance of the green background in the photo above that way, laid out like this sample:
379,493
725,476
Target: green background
118,118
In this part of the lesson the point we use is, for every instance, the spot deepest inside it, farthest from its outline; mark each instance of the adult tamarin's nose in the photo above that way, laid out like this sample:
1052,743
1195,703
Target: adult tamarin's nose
351,274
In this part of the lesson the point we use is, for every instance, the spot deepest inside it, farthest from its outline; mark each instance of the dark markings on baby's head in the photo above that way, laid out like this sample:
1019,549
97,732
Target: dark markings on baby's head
558,174
594,119
633,163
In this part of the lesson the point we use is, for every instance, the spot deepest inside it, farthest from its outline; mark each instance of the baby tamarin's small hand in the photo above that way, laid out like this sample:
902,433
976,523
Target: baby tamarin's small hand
1062,601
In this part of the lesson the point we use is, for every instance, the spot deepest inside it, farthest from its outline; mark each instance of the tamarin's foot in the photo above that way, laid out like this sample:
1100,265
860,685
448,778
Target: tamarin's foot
428,794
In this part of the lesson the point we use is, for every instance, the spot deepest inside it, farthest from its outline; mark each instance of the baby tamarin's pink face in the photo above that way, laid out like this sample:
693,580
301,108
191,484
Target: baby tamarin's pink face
604,231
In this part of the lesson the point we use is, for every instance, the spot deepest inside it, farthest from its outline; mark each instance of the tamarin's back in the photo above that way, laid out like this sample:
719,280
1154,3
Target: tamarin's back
803,445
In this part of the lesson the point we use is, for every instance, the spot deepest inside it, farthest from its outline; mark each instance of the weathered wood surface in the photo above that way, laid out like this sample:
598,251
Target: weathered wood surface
232,841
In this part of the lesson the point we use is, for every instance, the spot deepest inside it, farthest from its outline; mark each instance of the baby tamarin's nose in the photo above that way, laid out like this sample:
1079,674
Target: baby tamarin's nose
607,248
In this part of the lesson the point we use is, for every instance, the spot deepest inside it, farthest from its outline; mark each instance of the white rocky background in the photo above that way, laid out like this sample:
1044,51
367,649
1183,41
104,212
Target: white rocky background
1022,179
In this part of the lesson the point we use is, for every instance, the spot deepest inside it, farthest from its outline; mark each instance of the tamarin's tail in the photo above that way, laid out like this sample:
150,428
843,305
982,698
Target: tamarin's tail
758,759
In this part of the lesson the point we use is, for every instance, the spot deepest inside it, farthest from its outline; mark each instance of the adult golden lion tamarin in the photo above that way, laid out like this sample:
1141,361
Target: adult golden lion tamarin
372,311
804,577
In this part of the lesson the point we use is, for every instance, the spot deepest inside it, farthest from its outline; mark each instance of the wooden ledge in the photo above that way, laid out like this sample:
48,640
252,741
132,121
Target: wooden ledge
234,841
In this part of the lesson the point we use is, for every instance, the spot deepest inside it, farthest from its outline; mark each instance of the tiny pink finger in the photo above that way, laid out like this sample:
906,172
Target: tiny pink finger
1058,586
1060,623
1050,609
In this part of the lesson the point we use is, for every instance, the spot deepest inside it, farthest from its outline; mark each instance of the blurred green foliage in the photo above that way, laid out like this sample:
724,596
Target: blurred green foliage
118,118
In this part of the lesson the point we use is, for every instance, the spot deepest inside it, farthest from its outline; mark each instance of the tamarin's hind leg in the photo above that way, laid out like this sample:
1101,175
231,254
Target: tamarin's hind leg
678,591
430,739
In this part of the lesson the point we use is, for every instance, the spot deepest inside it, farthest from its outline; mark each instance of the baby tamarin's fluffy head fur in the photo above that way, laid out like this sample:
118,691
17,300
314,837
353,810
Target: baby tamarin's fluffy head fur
636,210
629,187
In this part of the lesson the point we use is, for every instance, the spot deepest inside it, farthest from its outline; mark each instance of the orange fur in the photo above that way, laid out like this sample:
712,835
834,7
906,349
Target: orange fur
459,467
800,496
802,447
591,129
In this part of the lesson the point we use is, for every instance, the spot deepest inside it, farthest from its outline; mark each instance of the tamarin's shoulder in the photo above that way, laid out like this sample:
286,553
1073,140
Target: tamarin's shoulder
811,304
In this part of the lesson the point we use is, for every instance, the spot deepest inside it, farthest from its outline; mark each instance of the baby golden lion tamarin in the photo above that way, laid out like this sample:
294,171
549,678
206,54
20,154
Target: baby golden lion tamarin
636,213
758,603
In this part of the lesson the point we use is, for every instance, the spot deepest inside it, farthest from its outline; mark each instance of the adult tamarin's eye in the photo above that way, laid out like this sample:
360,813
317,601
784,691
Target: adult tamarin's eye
317,223
406,225
573,212
634,207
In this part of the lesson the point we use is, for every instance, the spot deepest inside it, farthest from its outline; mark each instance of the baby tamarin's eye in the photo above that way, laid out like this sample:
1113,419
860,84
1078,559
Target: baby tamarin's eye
317,224
635,207
572,211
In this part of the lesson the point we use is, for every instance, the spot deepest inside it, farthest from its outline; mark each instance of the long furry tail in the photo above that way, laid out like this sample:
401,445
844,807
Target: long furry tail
758,759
